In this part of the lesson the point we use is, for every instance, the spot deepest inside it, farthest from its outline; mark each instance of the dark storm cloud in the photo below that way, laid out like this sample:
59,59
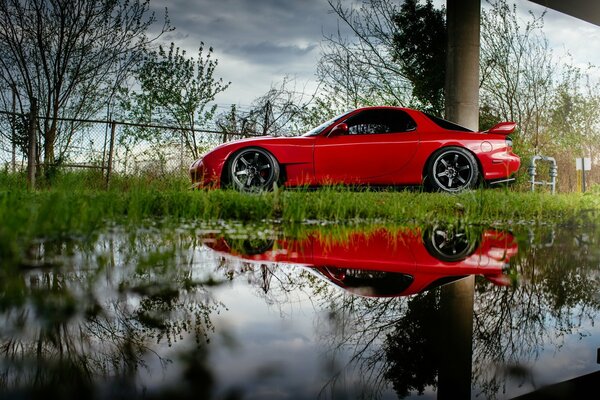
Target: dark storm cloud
268,52
237,26
257,42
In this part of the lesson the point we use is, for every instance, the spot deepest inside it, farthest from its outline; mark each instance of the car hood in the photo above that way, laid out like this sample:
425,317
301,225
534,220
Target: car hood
256,139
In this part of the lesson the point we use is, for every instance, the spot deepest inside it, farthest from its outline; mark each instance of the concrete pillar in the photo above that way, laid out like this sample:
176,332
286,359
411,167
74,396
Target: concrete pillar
456,325
462,107
462,64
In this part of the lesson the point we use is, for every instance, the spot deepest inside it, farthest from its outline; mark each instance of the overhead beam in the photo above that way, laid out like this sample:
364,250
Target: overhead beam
585,10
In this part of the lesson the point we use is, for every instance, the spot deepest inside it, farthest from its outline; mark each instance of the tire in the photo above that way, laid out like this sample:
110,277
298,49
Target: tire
253,170
250,247
452,170
253,247
449,244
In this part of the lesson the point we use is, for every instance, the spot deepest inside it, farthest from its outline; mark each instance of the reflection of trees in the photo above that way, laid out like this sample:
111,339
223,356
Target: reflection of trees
391,340
275,283
396,340
411,350
357,326
557,293
76,314
96,310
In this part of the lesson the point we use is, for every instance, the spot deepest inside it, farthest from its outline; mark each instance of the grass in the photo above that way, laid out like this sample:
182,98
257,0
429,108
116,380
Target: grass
78,205
79,202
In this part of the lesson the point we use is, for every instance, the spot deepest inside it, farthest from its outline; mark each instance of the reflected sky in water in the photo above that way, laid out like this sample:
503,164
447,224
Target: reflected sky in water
229,311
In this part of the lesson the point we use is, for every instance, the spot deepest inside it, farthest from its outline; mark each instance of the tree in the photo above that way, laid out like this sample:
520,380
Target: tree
175,90
281,111
231,123
392,55
575,114
420,50
71,55
360,68
517,69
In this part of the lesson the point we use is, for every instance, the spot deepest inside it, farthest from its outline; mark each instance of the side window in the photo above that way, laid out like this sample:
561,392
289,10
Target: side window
380,121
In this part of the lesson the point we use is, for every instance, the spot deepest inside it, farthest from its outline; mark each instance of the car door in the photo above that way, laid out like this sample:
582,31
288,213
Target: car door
380,143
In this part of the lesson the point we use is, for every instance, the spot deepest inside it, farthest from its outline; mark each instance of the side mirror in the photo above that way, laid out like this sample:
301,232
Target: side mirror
339,129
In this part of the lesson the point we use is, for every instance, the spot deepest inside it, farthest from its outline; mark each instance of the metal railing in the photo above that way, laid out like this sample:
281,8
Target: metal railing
552,174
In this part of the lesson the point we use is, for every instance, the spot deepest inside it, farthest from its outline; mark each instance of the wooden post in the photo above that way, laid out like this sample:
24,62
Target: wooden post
111,149
181,145
32,152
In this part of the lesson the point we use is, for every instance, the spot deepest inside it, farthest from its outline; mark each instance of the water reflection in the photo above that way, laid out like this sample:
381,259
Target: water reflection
260,312
82,318
383,262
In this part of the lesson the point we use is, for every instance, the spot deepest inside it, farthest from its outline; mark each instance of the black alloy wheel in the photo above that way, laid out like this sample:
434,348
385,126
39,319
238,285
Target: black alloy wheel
449,244
253,170
453,169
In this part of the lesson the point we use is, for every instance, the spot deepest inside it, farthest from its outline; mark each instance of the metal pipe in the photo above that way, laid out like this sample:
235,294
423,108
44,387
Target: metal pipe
533,172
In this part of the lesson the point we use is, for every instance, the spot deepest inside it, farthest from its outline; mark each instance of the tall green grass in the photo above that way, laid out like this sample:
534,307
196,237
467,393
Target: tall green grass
84,198
79,202
78,205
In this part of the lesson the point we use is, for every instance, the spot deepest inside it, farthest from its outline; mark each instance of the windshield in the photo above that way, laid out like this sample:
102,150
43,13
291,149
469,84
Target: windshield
320,128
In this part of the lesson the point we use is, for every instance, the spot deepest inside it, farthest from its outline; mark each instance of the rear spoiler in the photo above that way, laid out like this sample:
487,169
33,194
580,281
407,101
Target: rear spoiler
503,128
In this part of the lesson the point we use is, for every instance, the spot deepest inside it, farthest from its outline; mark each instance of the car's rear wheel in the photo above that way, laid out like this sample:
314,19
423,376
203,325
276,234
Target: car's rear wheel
253,170
448,243
453,169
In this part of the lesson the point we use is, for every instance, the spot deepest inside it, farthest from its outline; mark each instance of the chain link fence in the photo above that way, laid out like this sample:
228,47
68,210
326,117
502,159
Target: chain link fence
156,150
111,146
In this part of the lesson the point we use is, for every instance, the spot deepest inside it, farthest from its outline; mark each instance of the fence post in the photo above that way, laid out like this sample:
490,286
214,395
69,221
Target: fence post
181,147
243,130
111,149
266,122
31,156
14,131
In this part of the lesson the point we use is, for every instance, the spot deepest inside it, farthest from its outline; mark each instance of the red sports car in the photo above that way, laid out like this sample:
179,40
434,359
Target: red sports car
374,146
384,263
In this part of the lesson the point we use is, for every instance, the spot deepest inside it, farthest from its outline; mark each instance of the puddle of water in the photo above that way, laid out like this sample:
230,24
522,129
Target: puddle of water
233,311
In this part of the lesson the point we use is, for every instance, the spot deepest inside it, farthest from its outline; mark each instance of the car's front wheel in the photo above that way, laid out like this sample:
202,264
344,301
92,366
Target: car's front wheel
253,170
453,169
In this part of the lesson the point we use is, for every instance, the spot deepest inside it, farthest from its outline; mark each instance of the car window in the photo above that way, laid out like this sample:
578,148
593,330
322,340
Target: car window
380,121
442,123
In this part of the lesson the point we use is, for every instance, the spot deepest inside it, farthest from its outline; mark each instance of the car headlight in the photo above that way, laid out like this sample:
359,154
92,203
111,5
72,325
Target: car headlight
195,163
196,170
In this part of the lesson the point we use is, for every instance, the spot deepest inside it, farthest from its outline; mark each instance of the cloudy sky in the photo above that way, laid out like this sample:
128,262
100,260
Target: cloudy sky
259,42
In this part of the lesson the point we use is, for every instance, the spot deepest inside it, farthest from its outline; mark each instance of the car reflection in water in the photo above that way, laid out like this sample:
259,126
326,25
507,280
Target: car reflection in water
382,263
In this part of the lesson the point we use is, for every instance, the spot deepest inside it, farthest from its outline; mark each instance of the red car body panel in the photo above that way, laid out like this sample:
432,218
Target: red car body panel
402,252
358,159
374,159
